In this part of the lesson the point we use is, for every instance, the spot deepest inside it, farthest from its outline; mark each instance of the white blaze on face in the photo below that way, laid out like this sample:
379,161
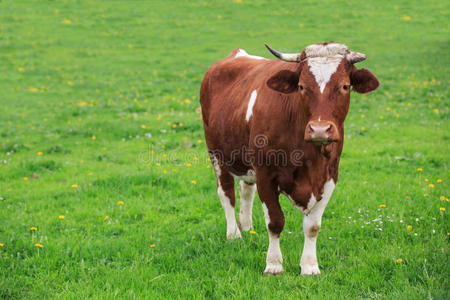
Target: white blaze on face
323,61
251,102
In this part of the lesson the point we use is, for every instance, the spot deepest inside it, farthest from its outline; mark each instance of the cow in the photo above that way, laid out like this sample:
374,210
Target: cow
277,126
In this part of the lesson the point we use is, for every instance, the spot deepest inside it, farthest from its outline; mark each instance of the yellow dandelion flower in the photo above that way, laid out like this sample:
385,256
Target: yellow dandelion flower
61,217
409,227
419,169
188,165
152,246
157,164
69,82
363,128
174,170
199,141
442,198
143,126
74,186
406,18
399,260
33,228
66,21
39,245
436,111
382,205
105,218
426,180
431,185
442,208
195,158
425,195
33,89
165,171
439,180
40,153
237,1
120,202
252,232
208,166
1,244
187,101
90,173
381,117
193,182
174,125
94,137
180,124
25,178
164,155
20,69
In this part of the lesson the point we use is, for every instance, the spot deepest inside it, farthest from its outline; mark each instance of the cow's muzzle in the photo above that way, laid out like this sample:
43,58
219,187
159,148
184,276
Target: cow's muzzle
321,133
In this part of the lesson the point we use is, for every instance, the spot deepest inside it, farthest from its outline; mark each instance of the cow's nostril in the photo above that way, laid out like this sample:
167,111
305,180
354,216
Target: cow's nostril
311,129
329,129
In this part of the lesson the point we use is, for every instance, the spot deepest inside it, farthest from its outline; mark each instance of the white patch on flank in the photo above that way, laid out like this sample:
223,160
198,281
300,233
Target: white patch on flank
308,262
250,177
247,194
274,259
243,53
232,228
251,102
323,61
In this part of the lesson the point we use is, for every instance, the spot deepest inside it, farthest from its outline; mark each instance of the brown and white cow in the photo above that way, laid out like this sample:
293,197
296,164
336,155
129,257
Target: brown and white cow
280,124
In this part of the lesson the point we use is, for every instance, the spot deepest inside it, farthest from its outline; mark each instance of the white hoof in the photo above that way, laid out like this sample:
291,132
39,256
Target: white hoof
234,234
273,269
309,270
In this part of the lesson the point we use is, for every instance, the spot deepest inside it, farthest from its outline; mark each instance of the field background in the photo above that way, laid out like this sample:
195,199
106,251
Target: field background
102,151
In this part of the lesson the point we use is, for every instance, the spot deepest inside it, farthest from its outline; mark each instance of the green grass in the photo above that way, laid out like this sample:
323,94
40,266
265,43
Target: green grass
72,70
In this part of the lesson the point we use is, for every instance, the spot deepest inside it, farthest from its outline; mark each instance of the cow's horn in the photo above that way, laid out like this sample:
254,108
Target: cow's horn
355,57
284,56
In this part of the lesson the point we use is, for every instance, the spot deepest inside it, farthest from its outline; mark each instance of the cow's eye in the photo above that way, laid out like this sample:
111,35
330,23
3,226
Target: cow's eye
346,87
300,87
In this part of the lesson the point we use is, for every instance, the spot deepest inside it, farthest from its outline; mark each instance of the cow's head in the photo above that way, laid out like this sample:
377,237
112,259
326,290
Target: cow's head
323,80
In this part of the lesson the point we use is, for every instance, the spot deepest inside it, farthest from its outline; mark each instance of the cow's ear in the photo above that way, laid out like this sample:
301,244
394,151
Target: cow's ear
363,81
284,81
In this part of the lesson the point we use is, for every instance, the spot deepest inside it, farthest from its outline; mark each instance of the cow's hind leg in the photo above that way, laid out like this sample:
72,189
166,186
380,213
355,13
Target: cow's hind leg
225,189
247,195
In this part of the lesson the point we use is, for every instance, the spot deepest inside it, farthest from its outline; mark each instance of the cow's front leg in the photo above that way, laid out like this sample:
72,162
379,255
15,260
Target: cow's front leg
225,190
274,222
311,227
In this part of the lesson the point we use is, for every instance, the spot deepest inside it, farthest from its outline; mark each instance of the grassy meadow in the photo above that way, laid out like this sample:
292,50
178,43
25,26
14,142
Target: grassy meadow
105,187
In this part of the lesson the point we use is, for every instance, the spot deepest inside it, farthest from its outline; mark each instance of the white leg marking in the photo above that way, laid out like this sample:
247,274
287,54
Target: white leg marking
274,259
247,194
232,228
251,102
311,226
